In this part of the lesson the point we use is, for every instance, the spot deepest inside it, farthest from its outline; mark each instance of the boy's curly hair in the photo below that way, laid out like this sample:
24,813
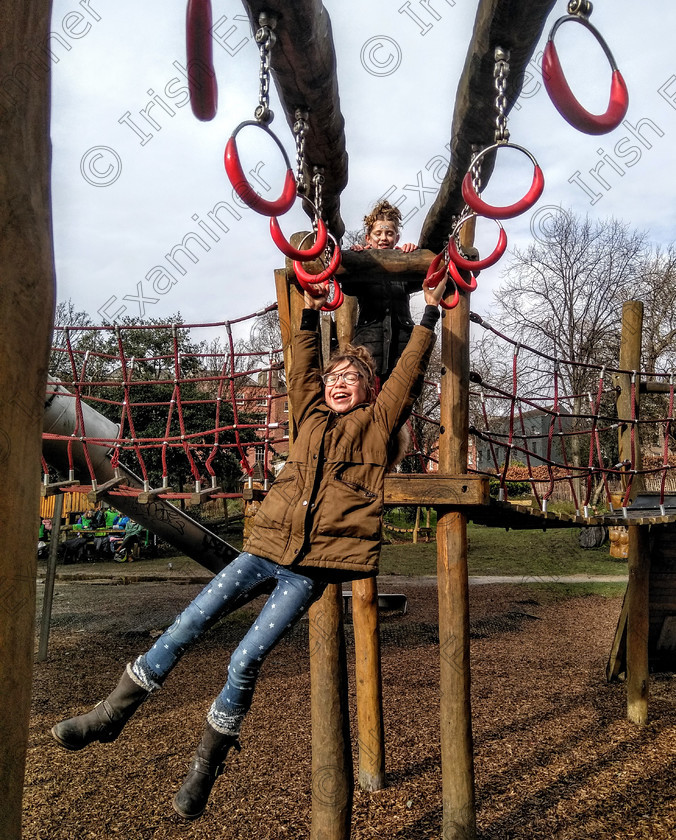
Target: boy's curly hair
384,212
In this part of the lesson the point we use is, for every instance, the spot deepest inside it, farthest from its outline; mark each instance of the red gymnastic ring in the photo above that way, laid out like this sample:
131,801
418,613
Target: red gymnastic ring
477,265
294,253
243,188
305,277
200,61
454,271
509,211
435,275
338,297
563,97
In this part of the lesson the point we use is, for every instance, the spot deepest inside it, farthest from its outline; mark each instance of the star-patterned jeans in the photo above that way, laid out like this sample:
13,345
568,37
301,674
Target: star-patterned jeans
241,581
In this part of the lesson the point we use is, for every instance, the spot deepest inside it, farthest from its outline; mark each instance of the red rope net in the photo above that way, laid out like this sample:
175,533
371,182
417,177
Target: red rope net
176,410
554,438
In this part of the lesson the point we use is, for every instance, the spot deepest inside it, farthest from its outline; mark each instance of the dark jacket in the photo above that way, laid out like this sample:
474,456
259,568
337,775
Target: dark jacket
384,325
323,512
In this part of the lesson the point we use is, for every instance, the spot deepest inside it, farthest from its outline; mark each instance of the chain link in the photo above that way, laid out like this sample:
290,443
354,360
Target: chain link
582,8
299,131
318,180
265,38
500,73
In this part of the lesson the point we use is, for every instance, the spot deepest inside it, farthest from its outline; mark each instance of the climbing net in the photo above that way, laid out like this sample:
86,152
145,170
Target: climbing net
556,438
172,409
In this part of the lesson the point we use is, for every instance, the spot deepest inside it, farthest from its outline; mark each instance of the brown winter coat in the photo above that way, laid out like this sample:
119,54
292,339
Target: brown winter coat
323,512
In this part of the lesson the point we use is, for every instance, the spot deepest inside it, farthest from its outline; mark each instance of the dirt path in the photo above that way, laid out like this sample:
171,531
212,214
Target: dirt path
554,756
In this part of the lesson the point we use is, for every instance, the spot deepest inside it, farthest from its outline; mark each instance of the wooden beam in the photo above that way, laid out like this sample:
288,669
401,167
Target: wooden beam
435,489
303,63
515,26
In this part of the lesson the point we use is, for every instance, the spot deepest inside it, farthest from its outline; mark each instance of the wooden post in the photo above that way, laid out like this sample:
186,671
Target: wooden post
26,314
371,732
638,558
332,776
457,759
638,621
48,595
366,624
630,359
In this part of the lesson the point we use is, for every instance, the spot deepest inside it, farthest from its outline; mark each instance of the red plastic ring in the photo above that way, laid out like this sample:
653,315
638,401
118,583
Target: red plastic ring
200,60
338,297
457,278
480,207
453,301
294,253
563,97
477,265
435,274
305,277
243,188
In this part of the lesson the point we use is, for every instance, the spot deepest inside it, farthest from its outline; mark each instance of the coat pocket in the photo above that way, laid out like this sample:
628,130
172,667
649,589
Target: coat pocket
278,505
350,509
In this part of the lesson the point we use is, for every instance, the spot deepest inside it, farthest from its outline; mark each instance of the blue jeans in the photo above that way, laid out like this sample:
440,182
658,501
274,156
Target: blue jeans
241,581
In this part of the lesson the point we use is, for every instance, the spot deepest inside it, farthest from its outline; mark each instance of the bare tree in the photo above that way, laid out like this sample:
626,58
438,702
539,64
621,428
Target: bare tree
562,296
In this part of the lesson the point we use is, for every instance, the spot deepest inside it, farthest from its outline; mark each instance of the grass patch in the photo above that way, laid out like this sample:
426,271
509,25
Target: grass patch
493,551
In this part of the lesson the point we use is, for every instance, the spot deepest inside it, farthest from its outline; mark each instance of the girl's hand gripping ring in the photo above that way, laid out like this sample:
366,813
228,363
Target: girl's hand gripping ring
243,188
435,275
481,208
563,97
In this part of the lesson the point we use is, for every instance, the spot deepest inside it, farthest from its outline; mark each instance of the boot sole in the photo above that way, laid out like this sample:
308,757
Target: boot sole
183,814
67,746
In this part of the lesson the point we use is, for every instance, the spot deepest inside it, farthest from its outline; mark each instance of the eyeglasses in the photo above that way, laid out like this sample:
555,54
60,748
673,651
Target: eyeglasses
349,378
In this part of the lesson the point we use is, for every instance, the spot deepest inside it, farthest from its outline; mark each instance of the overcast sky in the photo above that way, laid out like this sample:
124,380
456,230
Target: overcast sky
131,181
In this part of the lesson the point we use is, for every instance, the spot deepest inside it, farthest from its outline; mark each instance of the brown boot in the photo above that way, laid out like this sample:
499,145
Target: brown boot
106,720
207,765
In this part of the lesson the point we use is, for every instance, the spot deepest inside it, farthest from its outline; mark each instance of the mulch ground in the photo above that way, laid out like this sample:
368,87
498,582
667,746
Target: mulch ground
555,756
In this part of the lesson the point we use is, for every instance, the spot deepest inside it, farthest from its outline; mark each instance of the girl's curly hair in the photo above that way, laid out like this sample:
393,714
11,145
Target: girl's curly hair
384,212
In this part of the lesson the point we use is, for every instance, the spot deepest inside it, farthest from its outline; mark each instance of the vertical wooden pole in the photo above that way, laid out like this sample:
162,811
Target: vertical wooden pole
48,595
366,624
457,757
26,315
638,558
332,776
638,625
369,684
630,359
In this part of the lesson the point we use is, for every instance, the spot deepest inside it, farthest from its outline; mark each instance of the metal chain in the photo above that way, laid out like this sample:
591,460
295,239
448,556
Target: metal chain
318,181
500,73
265,38
299,131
